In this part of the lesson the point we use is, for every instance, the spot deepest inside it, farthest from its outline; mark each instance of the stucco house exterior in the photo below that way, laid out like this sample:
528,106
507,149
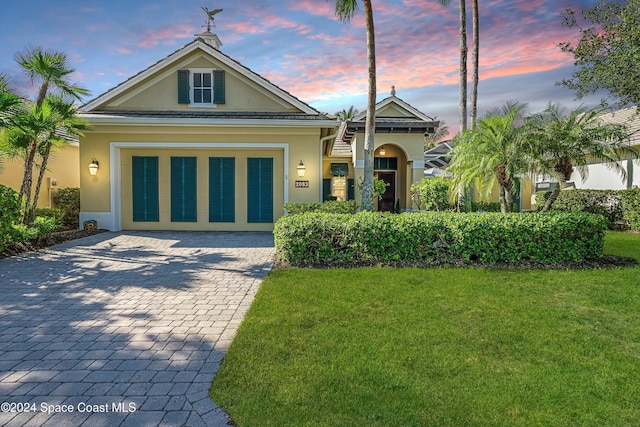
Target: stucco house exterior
197,141
398,156
602,177
63,171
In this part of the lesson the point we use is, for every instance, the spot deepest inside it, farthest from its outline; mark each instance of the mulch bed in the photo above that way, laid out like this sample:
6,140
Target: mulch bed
45,241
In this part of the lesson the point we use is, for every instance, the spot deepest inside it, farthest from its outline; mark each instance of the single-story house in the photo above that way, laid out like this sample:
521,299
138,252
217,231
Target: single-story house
197,141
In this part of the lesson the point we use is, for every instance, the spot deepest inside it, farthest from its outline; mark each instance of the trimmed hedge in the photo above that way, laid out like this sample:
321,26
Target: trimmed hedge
419,238
68,201
615,205
331,206
9,213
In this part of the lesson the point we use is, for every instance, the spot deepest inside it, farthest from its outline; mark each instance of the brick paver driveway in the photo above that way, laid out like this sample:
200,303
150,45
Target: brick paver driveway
124,328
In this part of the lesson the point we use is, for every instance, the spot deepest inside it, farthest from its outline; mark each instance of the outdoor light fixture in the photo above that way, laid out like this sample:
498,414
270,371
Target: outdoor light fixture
382,151
301,169
93,167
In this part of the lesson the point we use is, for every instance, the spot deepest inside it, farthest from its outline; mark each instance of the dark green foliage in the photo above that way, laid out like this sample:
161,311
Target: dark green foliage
432,194
615,205
40,227
606,56
330,206
437,237
9,213
68,201
630,201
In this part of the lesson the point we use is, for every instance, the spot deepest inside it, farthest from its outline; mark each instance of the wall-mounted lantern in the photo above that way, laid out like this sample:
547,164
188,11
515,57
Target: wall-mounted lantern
382,151
301,169
93,167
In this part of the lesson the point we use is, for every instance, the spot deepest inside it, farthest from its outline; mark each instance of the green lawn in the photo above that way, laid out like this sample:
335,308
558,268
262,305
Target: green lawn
442,346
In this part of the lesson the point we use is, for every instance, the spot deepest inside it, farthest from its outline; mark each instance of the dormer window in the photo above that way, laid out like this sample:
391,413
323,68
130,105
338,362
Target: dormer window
201,87
202,84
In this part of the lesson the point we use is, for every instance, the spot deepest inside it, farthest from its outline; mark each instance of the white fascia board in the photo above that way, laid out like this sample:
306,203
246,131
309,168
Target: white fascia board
170,121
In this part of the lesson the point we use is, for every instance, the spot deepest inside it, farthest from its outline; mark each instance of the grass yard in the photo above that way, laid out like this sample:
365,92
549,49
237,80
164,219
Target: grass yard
442,346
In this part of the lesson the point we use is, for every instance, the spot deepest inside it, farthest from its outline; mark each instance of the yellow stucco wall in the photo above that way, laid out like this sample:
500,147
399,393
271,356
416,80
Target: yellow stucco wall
300,143
63,169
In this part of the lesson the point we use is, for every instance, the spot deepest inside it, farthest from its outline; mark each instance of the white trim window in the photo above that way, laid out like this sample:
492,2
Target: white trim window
201,92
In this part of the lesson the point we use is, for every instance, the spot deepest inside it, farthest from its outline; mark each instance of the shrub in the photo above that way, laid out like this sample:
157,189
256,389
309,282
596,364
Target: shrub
615,205
331,206
68,201
630,205
432,194
369,238
42,226
9,213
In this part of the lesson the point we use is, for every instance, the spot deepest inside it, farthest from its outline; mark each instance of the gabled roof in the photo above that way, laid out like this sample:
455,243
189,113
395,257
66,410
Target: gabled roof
198,44
408,120
409,110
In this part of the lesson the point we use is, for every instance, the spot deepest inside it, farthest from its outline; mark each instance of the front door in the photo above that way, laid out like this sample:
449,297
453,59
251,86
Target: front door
386,204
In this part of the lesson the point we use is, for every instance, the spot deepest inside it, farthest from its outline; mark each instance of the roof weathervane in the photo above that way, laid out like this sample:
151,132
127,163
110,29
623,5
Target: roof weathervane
210,16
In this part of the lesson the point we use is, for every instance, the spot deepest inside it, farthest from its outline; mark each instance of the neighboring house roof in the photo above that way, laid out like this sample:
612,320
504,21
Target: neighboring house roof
438,156
95,104
629,117
393,115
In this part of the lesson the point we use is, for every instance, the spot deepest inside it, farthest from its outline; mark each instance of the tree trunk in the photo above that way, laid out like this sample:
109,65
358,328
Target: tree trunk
462,14
552,198
462,10
501,199
31,212
27,178
476,63
370,125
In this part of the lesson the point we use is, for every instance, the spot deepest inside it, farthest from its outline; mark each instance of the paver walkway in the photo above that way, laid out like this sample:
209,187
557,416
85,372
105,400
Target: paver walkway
124,328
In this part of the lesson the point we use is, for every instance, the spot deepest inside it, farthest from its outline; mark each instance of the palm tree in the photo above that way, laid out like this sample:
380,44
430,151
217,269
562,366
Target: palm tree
345,115
9,104
462,16
476,63
67,126
562,141
51,70
345,10
494,152
432,139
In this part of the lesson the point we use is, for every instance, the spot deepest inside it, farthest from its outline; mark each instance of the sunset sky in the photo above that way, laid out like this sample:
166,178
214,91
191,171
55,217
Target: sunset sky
304,49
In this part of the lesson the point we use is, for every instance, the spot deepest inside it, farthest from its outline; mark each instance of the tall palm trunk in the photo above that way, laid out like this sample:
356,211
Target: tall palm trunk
462,14
31,212
476,56
370,124
27,179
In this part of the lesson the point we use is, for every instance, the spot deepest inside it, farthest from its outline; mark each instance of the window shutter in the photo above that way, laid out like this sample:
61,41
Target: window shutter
183,86
260,190
351,189
144,178
222,189
218,86
184,204
326,189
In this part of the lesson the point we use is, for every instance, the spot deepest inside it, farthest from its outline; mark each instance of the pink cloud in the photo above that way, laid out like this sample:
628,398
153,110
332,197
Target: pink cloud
167,34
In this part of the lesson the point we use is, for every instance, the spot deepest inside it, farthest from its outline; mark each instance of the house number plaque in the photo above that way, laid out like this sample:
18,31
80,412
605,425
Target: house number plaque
302,184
